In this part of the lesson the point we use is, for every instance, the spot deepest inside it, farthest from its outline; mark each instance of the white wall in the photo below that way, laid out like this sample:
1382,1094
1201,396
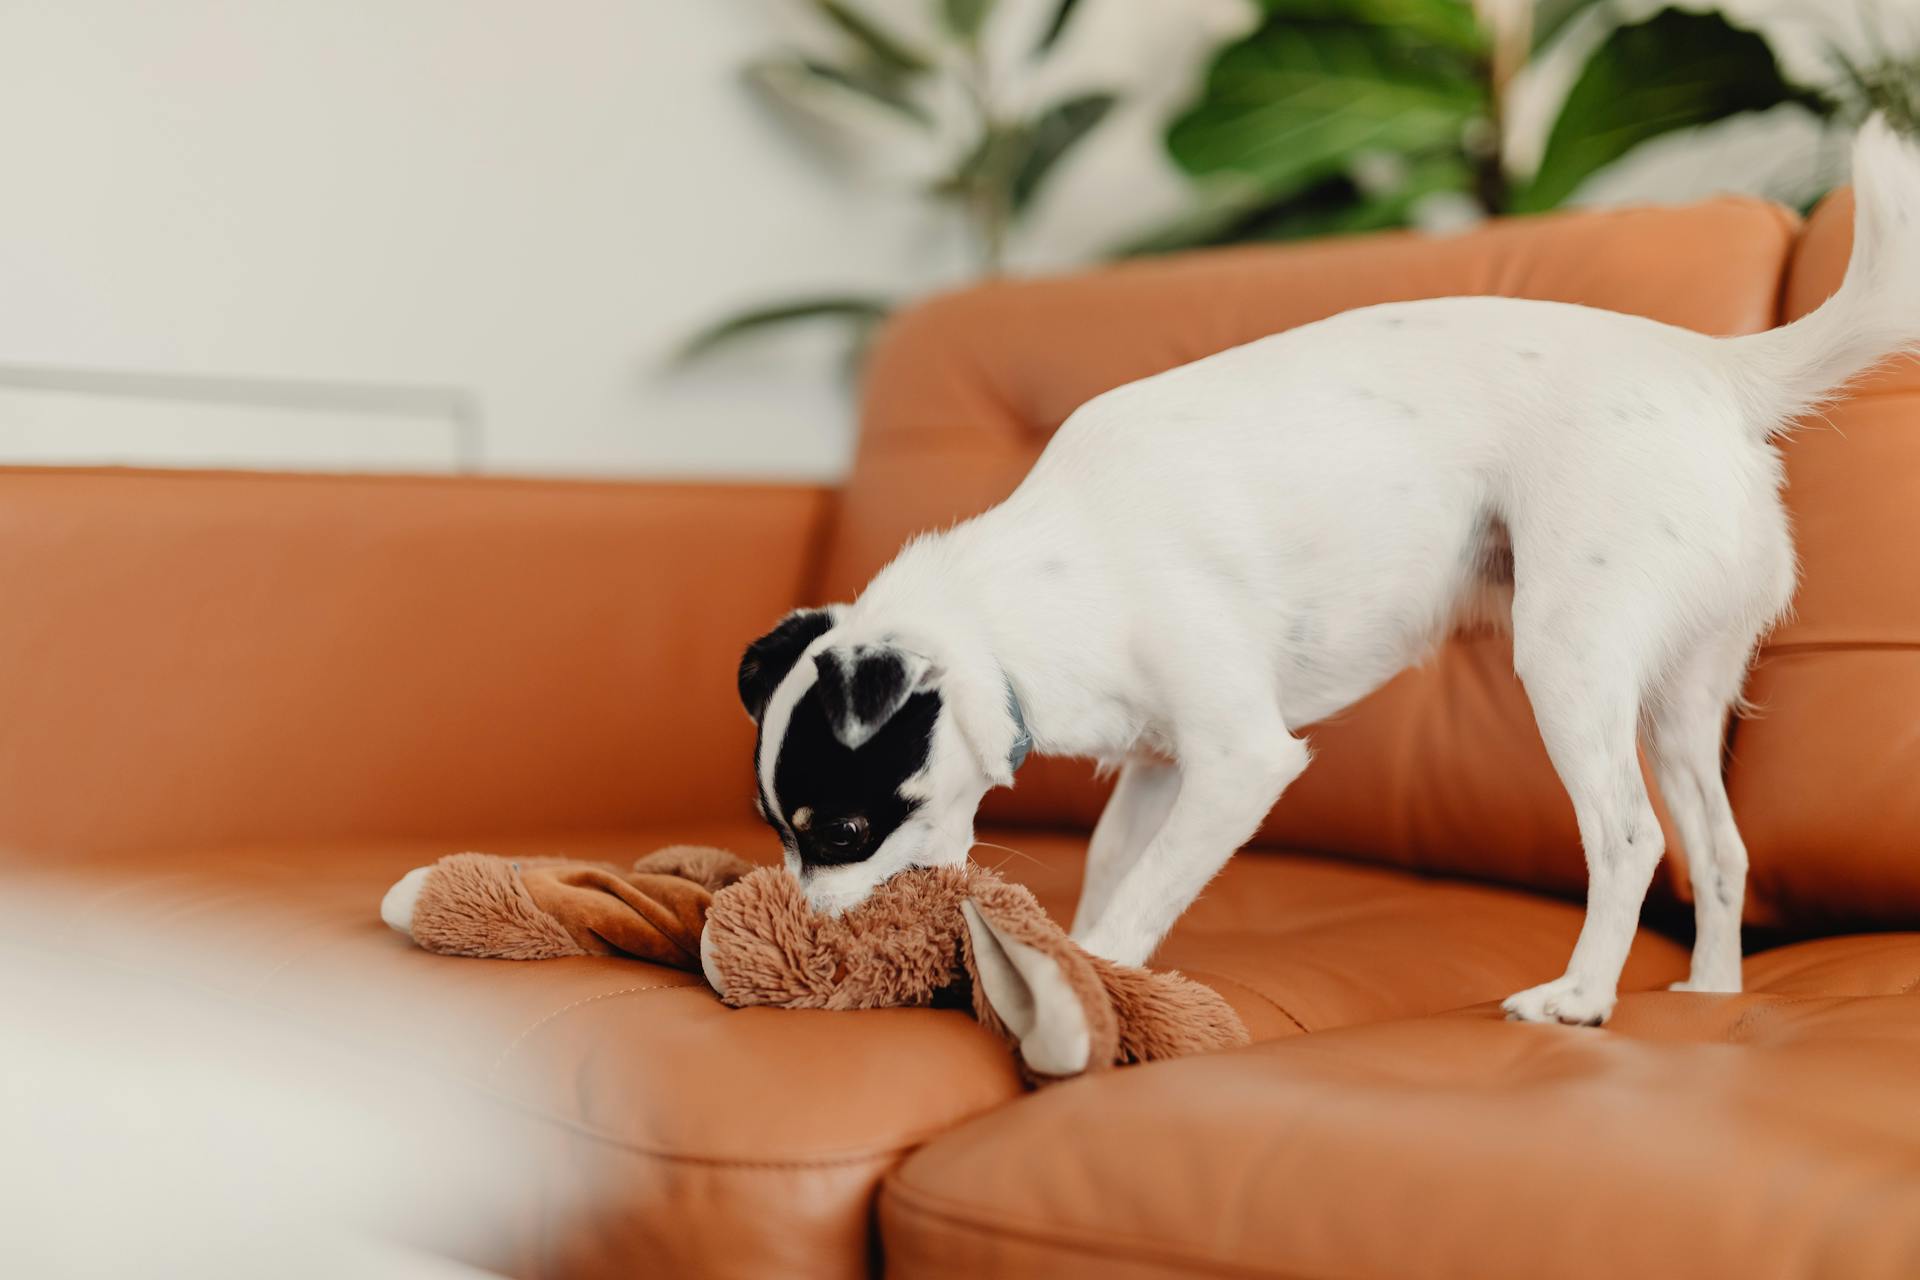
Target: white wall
358,232
427,234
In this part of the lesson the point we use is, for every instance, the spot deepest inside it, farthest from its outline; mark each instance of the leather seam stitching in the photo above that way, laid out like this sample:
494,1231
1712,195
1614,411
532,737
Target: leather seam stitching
1204,974
1748,1020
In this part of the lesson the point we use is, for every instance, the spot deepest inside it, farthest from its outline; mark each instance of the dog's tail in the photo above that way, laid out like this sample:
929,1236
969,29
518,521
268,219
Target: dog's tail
1876,313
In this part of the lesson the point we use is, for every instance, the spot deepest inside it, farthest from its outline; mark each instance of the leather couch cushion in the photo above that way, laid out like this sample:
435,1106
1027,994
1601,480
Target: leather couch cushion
1823,776
1767,1135
681,1137
1441,770
214,659
1304,943
746,1143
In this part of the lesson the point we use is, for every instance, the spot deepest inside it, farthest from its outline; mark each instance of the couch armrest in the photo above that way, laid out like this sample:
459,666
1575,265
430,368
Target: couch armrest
215,658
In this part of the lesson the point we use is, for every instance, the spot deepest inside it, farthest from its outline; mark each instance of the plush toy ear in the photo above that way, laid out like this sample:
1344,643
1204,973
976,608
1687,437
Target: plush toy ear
862,686
768,660
1031,992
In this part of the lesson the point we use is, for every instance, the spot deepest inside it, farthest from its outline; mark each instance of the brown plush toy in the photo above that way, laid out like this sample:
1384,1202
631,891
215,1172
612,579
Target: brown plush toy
958,935
475,904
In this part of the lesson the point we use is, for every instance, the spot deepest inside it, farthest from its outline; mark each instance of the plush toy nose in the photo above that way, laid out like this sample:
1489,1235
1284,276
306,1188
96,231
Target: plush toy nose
707,966
397,907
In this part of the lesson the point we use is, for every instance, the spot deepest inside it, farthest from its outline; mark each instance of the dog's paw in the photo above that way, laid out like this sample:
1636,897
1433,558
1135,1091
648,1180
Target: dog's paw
1562,1000
397,907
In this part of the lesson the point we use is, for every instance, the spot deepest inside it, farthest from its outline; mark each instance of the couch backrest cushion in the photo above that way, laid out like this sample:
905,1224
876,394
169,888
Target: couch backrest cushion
214,659
1825,776
1443,768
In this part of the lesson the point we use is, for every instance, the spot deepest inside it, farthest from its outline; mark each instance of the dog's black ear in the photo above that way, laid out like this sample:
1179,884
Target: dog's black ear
767,660
863,685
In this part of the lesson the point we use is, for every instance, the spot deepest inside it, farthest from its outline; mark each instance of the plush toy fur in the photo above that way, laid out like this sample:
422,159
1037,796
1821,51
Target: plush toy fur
945,935
475,904
1065,1009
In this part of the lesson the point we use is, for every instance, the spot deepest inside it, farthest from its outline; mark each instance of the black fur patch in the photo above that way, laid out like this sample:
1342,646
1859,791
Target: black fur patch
815,772
767,660
867,694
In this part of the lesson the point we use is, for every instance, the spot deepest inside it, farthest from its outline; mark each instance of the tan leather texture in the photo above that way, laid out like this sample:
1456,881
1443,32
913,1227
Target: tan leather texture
1825,776
750,1142
703,1140
1441,770
1740,1137
212,659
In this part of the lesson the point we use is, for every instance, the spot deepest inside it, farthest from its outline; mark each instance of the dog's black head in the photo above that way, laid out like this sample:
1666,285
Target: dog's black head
859,764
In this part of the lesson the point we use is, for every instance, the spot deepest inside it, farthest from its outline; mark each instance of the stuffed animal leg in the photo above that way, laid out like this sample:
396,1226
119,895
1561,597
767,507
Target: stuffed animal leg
475,904
952,934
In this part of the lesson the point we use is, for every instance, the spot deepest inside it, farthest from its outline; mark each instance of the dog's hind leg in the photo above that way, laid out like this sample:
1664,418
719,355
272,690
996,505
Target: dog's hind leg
1686,725
1585,682
1135,811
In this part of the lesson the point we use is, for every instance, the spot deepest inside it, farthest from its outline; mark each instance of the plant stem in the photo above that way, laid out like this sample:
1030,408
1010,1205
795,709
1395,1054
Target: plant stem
1510,26
991,217
989,204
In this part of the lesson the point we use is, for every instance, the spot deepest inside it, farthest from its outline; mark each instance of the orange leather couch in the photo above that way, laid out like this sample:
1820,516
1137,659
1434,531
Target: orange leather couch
251,702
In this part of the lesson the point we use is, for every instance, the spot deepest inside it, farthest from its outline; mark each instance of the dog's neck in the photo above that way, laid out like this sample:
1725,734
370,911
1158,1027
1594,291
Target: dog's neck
980,604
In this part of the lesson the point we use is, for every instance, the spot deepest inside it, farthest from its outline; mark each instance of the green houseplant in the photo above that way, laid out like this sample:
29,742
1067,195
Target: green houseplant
1002,159
1325,116
1345,115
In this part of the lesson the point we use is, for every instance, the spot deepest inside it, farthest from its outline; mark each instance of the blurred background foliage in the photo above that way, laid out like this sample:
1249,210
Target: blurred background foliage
1324,117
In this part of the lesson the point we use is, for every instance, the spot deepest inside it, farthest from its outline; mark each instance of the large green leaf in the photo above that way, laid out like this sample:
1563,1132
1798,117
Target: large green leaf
1232,213
1449,23
879,46
1676,70
861,312
1050,137
1290,105
1342,206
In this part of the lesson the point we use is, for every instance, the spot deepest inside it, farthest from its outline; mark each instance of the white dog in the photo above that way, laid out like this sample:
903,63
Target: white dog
1206,560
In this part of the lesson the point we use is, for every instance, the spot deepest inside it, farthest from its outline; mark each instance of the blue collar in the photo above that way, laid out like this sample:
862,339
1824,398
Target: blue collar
1022,739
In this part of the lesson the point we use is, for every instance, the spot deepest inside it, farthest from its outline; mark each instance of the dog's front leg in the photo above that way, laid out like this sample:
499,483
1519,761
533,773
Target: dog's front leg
1137,809
1225,789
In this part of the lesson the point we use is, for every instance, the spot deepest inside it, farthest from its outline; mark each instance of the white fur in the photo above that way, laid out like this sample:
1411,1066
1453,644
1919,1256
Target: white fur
1203,561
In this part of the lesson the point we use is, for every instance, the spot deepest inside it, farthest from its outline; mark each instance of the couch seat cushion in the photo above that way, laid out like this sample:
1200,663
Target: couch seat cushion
1770,1134
752,1142
1301,943
699,1139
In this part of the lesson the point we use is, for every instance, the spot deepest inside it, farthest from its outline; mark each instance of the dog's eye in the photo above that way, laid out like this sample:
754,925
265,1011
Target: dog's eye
842,835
